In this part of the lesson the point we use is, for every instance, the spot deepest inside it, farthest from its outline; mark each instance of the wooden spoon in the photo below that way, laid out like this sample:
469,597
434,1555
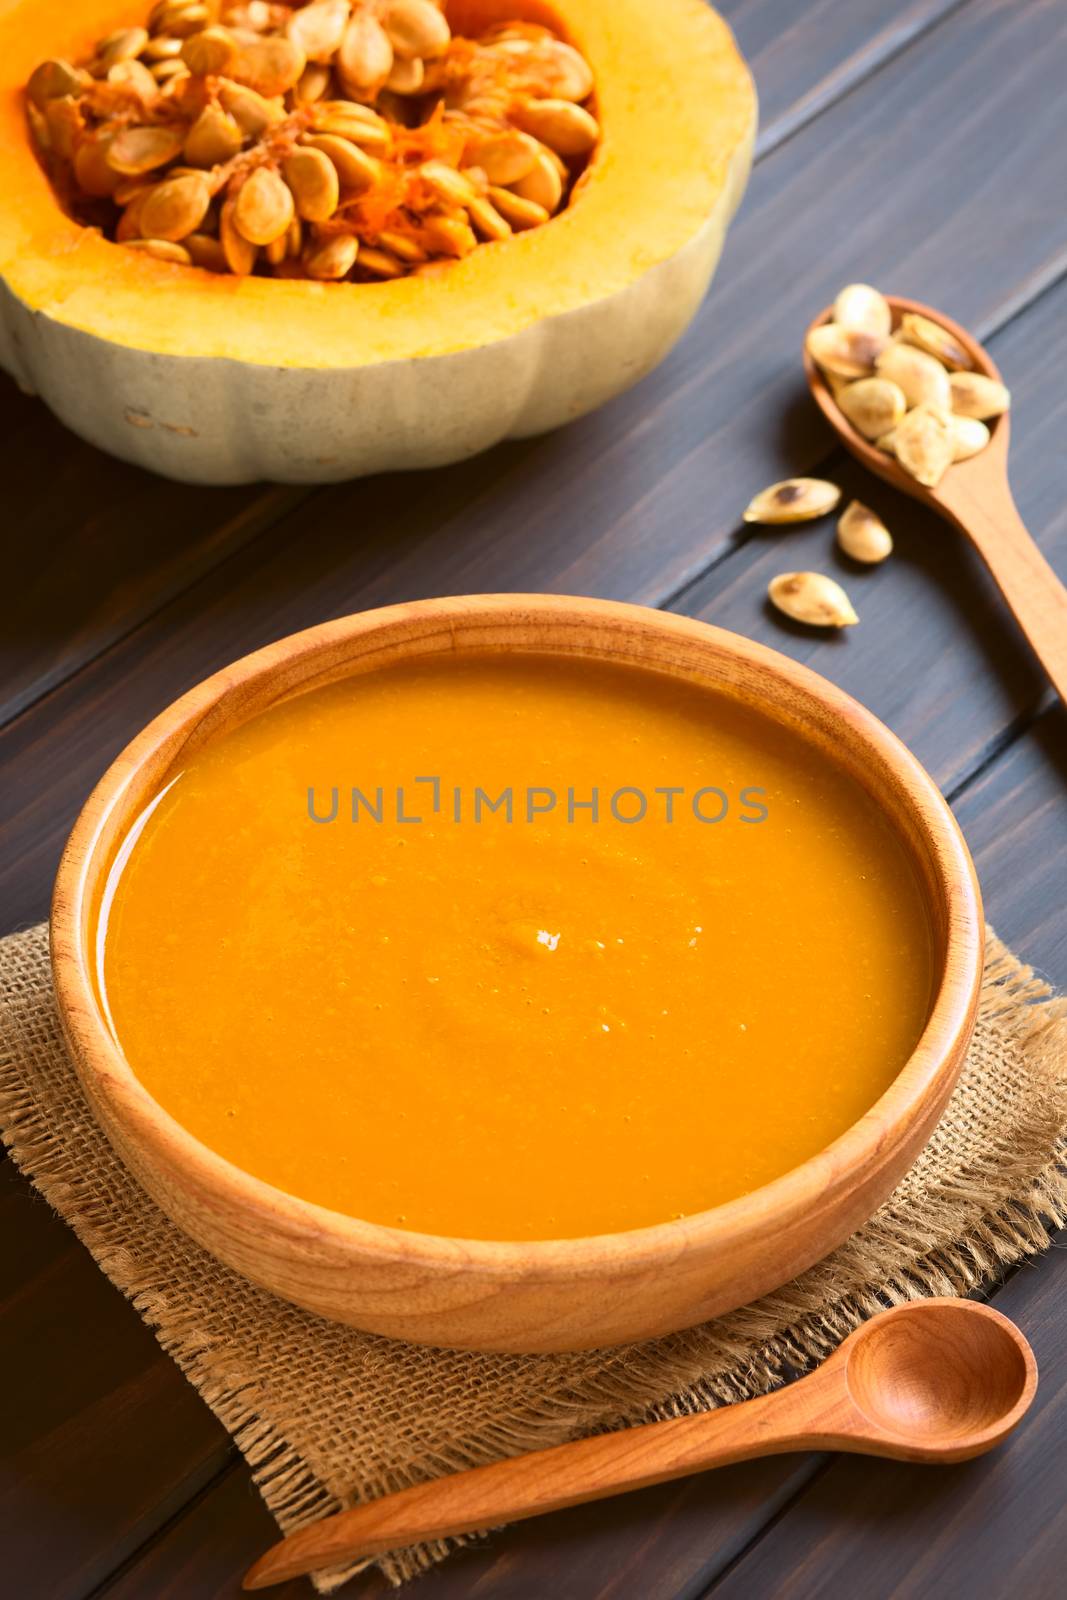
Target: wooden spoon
975,497
936,1380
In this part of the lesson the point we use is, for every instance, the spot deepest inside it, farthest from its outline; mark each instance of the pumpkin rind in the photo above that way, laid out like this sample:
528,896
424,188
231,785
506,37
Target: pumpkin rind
218,379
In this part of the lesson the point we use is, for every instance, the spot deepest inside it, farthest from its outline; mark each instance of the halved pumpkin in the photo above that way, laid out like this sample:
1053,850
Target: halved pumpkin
218,379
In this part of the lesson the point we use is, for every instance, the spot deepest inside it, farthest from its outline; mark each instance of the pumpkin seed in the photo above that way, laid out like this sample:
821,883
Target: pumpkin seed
53,80
212,50
873,405
135,150
204,251
380,262
252,111
405,77
922,378
863,535
543,184
181,20
449,236
92,169
161,49
64,123
846,352
974,395
415,28
312,177
969,436
161,250
356,170
270,65
568,129
240,255
503,157
313,84
487,219
214,137
164,72
400,246
137,78
365,56
176,207
263,206
934,339
812,598
318,29
332,258
123,45
860,306
447,184
793,500
924,444
520,213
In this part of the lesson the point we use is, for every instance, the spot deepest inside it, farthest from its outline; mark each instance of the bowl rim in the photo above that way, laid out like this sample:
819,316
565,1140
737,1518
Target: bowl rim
922,1084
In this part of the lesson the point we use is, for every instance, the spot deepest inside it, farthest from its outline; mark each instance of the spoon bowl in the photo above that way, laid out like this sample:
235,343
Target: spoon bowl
936,1381
975,497
952,1383
880,461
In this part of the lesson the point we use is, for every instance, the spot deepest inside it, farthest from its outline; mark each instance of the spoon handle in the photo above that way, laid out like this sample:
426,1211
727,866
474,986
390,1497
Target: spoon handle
987,514
800,1417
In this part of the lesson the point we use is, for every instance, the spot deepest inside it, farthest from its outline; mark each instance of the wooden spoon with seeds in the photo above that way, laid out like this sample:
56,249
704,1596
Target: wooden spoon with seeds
975,497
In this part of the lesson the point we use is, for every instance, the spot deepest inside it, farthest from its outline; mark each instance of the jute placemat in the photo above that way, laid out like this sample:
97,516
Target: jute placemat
327,1416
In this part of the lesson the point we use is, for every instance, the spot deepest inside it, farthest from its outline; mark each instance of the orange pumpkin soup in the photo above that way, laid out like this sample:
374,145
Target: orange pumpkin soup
514,948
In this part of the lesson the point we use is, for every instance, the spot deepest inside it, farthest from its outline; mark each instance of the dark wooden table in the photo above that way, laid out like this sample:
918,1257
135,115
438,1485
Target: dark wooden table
917,145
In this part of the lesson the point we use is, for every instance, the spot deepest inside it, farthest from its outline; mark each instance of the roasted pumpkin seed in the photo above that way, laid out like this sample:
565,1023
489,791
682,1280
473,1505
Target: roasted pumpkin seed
793,500
922,378
846,352
873,405
812,598
969,436
934,339
863,535
924,444
972,394
860,306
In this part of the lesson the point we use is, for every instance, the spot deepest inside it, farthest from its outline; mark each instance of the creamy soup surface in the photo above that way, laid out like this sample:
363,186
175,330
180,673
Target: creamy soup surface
560,1024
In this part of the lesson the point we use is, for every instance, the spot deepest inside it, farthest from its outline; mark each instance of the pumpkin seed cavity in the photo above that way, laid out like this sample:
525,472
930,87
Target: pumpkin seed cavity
340,139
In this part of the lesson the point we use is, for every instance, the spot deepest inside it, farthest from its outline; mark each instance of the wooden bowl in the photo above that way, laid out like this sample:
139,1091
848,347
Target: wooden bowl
554,1295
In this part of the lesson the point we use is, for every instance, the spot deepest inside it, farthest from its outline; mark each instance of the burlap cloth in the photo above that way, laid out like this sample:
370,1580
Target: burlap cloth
326,1416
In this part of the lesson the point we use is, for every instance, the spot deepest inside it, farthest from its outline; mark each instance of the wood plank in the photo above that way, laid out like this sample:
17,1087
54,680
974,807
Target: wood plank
103,1438
661,1544
95,546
